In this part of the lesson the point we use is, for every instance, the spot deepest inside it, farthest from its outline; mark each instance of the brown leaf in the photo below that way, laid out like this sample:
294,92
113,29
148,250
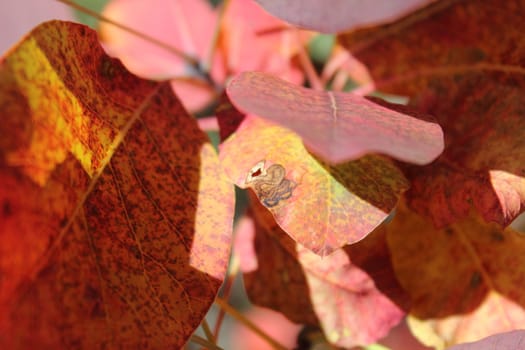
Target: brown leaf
464,280
116,219
228,117
462,61
338,126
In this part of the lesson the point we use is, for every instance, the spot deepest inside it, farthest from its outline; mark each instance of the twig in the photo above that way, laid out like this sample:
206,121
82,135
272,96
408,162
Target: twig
232,273
203,342
191,60
207,331
311,74
208,62
249,324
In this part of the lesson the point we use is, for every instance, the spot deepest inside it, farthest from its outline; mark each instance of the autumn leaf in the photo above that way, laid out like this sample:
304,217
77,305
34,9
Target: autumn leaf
332,290
469,76
465,280
116,218
338,126
323,207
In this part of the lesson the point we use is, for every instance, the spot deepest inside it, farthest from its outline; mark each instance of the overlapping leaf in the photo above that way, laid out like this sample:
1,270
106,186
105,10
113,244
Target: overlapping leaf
338,15
116,218
471,77
328,206
333,290
465,280
338,126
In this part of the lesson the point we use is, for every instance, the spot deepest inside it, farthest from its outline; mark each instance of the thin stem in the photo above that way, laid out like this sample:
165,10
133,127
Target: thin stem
208,62
203,342
207,331
309,70
249,324
191,60
232,273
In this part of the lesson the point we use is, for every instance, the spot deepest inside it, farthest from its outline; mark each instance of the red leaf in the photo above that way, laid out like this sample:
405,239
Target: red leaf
338,15
228,118
116,218
338,126
470,76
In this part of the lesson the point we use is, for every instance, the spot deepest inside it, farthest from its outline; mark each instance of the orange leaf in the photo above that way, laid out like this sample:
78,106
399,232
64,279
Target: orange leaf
464,280
338,126
470,76
116,218
340,294
322,207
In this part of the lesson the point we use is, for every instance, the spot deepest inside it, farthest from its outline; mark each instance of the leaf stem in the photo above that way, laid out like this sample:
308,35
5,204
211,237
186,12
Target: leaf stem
203,342
232,273
207,331
189,59
208,62
309,70
249,324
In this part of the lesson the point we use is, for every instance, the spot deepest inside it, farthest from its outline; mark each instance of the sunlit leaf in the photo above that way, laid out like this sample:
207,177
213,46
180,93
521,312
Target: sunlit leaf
338,15
322,207
464,280
470,76
338,126
333,290
116,218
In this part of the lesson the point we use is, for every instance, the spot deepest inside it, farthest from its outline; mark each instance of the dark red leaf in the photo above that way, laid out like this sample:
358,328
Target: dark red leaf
470,76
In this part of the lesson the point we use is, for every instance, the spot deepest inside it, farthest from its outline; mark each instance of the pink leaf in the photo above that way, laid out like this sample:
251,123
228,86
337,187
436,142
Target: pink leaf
338,15
338,126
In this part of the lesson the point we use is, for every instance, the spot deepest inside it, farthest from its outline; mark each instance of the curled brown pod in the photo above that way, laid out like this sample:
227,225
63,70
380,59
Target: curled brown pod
270,185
